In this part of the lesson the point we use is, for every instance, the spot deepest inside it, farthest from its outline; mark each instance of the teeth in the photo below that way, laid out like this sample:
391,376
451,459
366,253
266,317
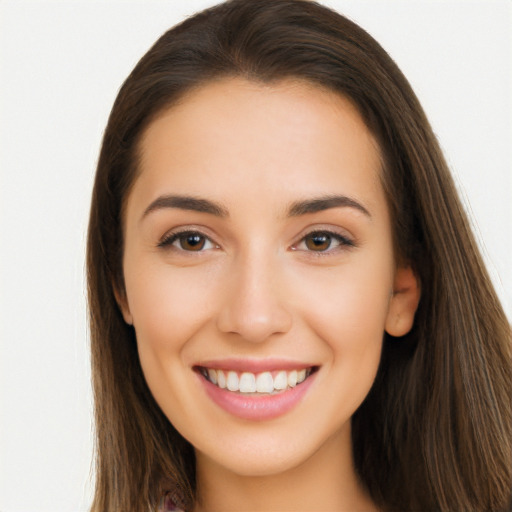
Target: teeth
232,381
248,382
212,375
221,379
280,381
264,383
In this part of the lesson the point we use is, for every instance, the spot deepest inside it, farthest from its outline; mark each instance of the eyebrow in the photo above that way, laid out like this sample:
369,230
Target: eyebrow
325,203
296,209
186,203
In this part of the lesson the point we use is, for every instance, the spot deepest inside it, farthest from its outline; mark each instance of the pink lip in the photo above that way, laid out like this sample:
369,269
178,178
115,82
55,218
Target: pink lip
257,408
254,365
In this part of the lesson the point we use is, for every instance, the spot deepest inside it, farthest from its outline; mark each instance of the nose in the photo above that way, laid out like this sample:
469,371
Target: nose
254,302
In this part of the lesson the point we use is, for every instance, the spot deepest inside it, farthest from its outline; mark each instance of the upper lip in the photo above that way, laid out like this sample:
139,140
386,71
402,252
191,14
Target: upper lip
254,365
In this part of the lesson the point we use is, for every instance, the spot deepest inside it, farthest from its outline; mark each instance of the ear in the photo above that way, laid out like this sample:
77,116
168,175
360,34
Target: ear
122,302
404,302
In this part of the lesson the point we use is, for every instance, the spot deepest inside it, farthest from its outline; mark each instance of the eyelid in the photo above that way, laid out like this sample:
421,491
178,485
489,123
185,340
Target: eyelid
345,240
168,239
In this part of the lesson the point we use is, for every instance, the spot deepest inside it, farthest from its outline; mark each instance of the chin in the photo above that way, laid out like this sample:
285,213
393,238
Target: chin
272,451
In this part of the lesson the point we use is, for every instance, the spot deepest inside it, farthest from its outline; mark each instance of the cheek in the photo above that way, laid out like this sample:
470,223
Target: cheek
352,301
347,309
169,305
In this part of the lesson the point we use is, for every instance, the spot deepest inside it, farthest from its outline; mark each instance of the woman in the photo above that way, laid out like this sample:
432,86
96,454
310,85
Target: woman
288,308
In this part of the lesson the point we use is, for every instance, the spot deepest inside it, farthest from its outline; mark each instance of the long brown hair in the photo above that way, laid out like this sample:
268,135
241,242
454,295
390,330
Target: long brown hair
435,432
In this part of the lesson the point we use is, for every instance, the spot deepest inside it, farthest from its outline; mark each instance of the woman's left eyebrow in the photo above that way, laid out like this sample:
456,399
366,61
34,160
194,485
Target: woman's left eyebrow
325,203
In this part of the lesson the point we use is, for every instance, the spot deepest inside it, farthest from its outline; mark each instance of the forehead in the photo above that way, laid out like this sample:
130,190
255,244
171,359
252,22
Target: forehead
234,134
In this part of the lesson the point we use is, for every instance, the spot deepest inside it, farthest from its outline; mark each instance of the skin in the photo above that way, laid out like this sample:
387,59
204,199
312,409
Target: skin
259,288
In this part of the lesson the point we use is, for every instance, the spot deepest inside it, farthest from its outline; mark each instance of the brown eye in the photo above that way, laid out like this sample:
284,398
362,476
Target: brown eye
323,242
318,241
192,241
188,241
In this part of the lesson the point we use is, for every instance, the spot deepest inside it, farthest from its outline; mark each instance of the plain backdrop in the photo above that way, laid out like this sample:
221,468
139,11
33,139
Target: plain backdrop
61,64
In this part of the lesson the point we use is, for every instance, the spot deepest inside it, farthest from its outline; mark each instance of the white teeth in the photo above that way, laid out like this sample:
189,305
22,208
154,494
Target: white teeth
232,381
212,375
280,381
264,383
248,382
292,378
221,379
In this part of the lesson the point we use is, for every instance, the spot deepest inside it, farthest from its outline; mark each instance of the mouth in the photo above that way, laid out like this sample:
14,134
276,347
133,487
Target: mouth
256,384
256,390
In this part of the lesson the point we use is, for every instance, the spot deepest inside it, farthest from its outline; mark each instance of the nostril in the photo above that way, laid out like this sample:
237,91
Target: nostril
251,323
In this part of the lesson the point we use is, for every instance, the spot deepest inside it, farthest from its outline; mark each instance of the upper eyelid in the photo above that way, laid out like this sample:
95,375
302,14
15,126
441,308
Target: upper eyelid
329,229
336,232
172,235
343,239
187,229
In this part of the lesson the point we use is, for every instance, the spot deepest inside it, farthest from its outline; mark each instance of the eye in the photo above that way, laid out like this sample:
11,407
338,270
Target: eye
323,241
190,241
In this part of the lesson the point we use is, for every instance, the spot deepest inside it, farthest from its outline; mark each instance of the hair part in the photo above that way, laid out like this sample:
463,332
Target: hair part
435,432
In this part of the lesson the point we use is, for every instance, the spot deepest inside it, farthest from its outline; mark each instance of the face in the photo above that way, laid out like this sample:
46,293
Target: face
259,270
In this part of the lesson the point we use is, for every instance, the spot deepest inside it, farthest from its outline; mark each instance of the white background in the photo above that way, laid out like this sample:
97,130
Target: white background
61,64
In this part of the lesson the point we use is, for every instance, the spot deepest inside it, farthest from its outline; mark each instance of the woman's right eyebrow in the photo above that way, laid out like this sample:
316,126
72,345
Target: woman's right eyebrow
186,203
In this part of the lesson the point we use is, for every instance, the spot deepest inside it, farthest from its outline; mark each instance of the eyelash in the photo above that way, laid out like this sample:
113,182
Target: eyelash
343,242
170,240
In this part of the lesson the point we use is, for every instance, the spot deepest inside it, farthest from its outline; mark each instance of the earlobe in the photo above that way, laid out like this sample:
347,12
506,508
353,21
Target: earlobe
404,302
122,302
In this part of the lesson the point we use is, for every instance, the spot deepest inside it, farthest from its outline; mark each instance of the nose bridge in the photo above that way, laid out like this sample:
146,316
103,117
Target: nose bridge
255,306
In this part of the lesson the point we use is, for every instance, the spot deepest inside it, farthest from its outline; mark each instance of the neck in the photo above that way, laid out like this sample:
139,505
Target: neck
326,481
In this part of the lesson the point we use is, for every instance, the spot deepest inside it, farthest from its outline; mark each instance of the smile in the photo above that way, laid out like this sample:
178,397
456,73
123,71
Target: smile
259,395
261,383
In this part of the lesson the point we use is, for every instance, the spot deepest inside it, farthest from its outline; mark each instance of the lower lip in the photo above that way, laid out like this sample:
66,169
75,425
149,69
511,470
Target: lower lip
257,408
